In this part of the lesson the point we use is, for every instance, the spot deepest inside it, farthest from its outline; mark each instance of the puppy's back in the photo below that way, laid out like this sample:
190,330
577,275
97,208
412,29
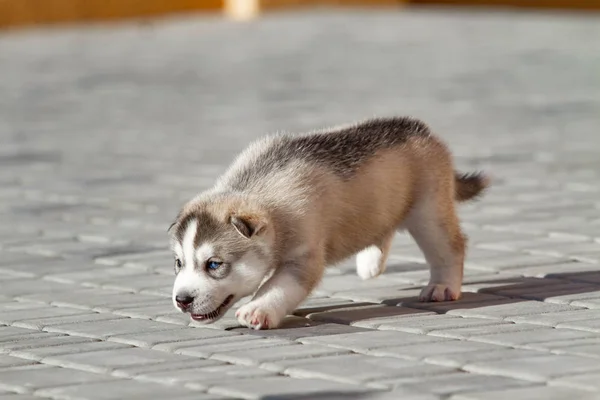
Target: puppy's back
341,151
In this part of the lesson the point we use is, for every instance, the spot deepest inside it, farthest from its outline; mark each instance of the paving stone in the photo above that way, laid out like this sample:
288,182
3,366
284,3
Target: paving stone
506,281
9,340
30,378
176,334
244,343
154,312
459,360
19,288
467,300
425,324
365,316
93,299
172,367
536,244
202,378
39,353
316,329
592,276
138,283
582,347
6,300
585,381
28,311
353,368
15,262
575,297
136,260
330,285
390,295
12,305
8,332
593,303
39,266
591,325
174,318
537,369
95,277
118,389
11,362
233,340
165,292
513,309
45,341
277,353
468,332
104,361
282,386
572,269
452,383
366,341
321,304
565,346
571,249
201,396
550,292
532,336
513,261
45,322
553,319
106,329
423,351
535,392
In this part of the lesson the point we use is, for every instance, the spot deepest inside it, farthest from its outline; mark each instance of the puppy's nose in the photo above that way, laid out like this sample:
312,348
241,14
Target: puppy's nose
184,300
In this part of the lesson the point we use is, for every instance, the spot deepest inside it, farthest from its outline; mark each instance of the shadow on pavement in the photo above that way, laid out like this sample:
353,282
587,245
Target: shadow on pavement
336,319
332,395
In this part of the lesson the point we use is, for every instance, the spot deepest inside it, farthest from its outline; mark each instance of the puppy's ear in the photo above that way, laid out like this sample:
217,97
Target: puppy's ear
171,227
175,222
248,225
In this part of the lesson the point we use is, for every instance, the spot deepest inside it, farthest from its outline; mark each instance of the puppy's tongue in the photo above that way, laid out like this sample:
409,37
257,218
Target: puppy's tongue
197,317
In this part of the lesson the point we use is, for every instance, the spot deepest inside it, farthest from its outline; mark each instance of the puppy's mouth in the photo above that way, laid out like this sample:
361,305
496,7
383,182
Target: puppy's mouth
215,314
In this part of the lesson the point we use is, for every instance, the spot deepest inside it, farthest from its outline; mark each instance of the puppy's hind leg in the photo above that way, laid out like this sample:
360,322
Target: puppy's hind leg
371,262
434,225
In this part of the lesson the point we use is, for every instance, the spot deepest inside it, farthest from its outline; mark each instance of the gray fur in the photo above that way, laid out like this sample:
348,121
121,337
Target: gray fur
229,248
343,150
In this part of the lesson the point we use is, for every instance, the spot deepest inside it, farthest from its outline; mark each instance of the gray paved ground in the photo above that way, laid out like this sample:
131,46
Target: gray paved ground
106,132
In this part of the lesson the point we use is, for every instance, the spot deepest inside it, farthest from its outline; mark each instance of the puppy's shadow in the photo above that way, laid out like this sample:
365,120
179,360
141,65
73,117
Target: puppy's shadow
340,318
329,395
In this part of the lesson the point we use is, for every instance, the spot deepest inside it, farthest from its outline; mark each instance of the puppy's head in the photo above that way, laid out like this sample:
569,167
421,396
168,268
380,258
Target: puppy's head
222,253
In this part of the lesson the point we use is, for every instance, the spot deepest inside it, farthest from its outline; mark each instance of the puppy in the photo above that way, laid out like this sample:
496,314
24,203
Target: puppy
291,205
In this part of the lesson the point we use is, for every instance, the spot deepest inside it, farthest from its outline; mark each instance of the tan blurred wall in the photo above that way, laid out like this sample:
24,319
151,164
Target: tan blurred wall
542,4
20,13
35,12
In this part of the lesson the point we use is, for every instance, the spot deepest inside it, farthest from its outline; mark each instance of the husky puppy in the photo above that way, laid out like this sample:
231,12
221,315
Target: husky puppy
290,205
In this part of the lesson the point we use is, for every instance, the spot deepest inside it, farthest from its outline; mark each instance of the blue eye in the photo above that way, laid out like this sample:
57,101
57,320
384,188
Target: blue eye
213,264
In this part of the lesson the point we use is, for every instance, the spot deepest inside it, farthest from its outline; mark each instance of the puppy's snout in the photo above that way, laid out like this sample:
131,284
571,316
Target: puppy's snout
184,300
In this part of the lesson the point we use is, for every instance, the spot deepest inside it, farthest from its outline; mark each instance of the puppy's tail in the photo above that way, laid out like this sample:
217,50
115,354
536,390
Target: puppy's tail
470,185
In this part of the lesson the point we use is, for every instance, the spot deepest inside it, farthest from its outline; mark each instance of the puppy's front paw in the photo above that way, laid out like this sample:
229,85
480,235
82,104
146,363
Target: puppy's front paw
439,292
256,315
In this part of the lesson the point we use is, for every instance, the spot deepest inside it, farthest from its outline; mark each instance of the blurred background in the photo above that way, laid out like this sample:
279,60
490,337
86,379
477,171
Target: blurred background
115,112
129,101
15,13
